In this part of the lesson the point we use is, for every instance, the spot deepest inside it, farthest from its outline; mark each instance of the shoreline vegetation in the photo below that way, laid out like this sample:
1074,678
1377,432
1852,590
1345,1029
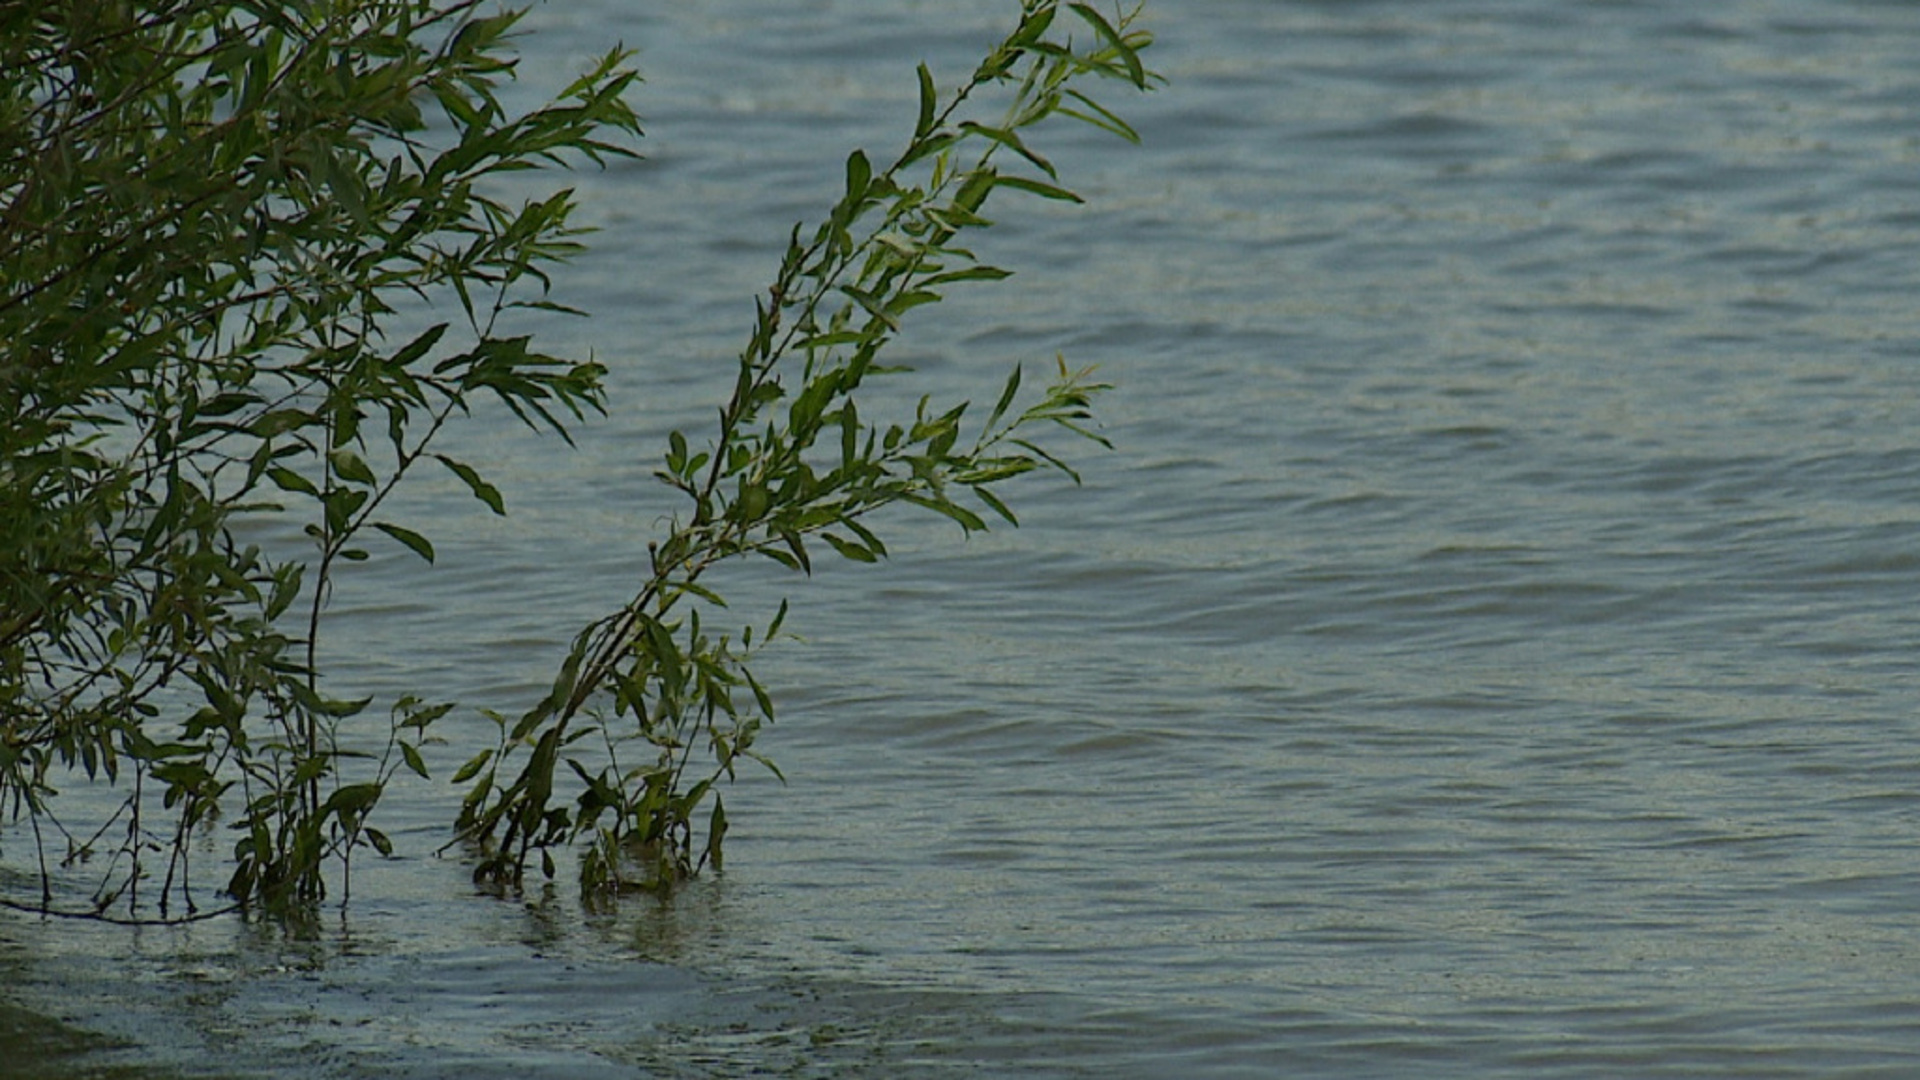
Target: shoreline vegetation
213,218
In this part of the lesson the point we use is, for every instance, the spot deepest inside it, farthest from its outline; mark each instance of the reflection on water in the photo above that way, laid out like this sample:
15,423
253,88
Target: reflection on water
1488,652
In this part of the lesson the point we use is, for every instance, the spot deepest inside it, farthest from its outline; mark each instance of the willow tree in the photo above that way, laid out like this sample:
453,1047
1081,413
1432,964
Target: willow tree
221,222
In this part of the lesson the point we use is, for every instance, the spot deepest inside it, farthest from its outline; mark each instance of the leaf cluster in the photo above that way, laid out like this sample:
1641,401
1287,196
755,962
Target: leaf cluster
255,258
651,710
213,214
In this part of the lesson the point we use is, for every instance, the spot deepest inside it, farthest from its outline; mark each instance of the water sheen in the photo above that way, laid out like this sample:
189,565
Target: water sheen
1488,653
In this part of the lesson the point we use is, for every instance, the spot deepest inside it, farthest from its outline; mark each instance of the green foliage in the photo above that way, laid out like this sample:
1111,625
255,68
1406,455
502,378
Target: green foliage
651,709
253,260
212,215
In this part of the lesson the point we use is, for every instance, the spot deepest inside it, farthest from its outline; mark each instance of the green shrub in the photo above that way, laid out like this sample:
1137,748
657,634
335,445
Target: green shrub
213,215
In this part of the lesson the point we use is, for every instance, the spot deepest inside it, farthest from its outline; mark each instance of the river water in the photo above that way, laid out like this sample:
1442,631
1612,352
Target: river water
1488,652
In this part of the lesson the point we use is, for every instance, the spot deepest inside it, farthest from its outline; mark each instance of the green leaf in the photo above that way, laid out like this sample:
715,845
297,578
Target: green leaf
872,305
716,832
866,536
927,101
352,798
798,560
972,194
413,760
229,402
418,347
929,146
859,176
694,589
1034,25
286,588
993,502
341,504
1006,398
849,550
349,466
277,422
473,766
482,490
288,480
345,185
971,273
408,537
1048,458
1044,190
1126,52
419,716
907,301
849,434
1011,141
968,520
1100,117
838,337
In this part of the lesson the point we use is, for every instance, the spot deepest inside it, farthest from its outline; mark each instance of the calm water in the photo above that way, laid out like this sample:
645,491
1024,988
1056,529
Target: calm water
1490,651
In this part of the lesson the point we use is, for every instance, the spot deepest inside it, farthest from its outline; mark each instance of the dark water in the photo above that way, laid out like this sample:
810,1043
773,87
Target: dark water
1488,653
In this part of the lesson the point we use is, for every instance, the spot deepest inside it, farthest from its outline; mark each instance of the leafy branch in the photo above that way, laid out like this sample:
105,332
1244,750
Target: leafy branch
793,464
212,212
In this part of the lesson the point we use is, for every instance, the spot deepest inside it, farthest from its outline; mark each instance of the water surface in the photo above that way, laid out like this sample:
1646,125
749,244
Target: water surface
1488,653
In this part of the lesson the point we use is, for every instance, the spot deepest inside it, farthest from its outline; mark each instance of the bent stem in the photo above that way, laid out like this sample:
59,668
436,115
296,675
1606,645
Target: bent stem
772,480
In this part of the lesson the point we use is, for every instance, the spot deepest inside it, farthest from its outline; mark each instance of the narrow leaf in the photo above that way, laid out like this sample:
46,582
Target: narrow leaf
482,490
1105,29
993,502
1035,25
1044,190
412,539
1006,398
472,768
859,176
1011,141
849,550
971,273
1103,117
352,798
288,480
927,99
349,466
968,520
418,347
413,760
